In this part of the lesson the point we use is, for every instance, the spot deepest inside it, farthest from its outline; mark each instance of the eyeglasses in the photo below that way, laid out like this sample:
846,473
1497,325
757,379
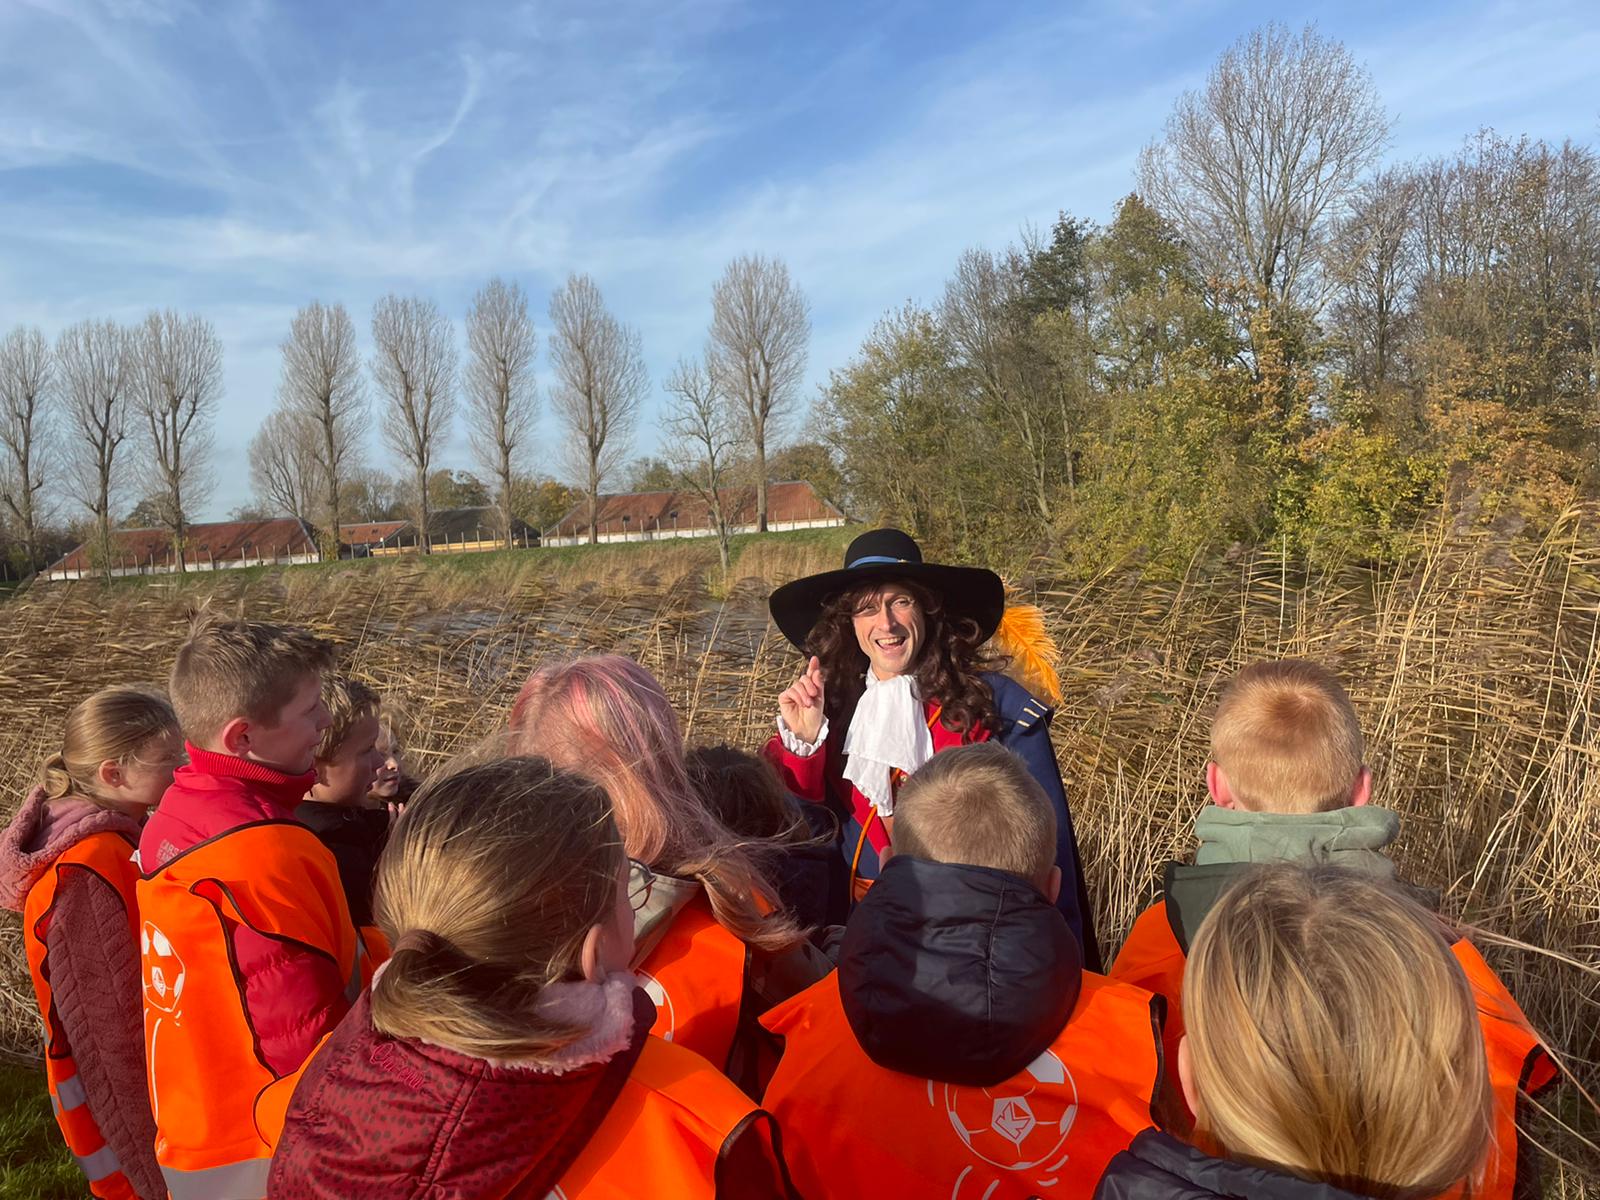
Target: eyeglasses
641,880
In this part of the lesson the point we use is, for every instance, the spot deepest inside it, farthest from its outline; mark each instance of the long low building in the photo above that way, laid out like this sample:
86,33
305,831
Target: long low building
648,516
211,546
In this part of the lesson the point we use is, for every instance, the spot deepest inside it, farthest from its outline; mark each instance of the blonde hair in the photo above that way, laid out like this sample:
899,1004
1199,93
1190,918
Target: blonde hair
1333,1035
1286,736
232,668
978,805
487,888
347,701
609,717
115,723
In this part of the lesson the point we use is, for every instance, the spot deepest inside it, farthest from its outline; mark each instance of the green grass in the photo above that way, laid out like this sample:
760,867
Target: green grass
33,1158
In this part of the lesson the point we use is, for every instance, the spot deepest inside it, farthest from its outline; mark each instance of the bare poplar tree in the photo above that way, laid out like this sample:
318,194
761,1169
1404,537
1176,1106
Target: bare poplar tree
321,385
27,378
286,468
1374,262
500,387
703,435
96,365
1255,165
415,366
760,330
600,381
179,384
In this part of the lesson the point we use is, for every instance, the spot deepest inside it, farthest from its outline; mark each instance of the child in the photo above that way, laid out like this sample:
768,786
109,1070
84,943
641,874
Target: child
1333,1050
66,864
713,924
503,1050
337,809
1288,783
391,785
961,1049
744,793
249,953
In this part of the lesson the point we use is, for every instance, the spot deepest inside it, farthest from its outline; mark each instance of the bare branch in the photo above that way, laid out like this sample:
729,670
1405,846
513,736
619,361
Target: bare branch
1255,166
600,382
500,386
286,470
27,380
179,382
703,434
96,362
760,330
415,366
321,386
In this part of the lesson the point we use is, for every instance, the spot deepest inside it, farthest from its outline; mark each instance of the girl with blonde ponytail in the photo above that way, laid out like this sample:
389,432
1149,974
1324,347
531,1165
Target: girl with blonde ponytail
1333,1049
503,1050
67,864
714,928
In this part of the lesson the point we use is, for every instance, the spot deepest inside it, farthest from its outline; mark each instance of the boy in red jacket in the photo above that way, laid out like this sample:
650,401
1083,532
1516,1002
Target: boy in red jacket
248,952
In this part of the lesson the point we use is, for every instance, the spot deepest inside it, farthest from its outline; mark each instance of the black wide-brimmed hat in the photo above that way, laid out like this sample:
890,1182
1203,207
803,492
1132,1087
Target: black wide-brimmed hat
884,556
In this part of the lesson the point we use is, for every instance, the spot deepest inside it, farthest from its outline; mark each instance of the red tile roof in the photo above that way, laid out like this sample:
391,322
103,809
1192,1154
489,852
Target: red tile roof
635,511
213,541
371,533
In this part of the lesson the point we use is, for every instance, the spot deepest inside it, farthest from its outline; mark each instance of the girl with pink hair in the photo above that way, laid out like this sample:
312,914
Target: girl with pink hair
712,928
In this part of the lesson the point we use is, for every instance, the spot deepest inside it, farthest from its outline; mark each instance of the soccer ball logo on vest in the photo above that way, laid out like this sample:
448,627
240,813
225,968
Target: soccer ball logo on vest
1021,1125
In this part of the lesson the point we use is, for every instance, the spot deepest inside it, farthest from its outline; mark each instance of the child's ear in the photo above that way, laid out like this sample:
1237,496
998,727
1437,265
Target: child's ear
110,773
1217,785
1052,887
1186,1075
589,958
1361,792
235,736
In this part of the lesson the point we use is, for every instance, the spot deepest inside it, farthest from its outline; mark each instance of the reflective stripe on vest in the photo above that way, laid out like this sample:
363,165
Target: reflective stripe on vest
206,1069
1048,1131
695,976
229,1181
664,1133
108,856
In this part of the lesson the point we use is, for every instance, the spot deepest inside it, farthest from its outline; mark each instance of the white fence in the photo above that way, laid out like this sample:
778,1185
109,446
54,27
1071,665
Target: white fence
622,531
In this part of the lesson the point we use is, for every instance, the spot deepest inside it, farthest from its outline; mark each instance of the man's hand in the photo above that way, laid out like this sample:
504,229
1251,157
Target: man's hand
801,705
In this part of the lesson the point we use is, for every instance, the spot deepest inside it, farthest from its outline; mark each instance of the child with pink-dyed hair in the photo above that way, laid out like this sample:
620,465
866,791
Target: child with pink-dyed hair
711,907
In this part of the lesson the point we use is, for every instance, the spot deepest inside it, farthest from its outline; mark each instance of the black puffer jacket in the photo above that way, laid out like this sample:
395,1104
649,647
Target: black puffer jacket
955,973
1160,1167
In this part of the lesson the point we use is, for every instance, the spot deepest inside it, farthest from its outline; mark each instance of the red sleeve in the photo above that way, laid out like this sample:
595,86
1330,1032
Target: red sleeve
293,995
94,977
806,777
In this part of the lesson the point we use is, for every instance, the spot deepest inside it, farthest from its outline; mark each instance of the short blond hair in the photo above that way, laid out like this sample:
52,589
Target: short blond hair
978,805
233,668
347,701
1287,737
1333,1034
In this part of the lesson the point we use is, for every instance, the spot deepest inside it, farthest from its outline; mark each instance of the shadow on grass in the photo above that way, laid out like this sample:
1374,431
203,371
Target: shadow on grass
33,1159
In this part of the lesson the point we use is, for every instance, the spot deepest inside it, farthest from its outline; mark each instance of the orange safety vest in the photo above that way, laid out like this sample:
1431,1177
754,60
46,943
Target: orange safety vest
695,975
109,856
1153,959
206,1070
854,1129
665,1132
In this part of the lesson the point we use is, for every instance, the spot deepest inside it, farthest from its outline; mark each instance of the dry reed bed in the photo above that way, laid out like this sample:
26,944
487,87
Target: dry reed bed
1473,664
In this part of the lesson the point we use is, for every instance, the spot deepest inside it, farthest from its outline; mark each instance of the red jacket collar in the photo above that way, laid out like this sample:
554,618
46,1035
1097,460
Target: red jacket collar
229,766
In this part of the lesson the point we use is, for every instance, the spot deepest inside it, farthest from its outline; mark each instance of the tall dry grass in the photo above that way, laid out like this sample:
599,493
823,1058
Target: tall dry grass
1473,663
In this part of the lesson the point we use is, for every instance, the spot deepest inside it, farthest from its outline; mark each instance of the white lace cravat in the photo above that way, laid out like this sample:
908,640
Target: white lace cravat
888,732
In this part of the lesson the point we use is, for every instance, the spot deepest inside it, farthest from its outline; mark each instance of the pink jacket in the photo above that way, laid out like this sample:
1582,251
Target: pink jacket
293,995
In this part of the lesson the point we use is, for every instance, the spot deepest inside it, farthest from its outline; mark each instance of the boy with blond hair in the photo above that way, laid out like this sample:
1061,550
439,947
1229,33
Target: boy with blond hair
248,952
1288,782
961,1048
338,809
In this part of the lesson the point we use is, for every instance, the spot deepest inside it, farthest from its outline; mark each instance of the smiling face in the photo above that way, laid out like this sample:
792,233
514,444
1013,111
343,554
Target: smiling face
889,628
386,781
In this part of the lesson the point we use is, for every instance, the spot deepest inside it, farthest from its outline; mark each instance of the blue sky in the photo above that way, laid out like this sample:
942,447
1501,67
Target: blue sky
241,159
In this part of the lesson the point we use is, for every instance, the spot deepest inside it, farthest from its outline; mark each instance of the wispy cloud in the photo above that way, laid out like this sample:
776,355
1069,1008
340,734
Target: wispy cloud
239,162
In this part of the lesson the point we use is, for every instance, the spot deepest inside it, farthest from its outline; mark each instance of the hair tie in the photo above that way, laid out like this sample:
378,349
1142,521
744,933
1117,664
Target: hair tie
421,940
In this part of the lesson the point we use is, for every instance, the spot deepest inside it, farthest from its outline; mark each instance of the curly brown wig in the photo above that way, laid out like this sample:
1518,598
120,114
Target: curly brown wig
948,669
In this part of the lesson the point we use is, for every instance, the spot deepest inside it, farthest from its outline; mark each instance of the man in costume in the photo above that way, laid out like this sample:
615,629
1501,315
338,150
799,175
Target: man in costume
897,648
